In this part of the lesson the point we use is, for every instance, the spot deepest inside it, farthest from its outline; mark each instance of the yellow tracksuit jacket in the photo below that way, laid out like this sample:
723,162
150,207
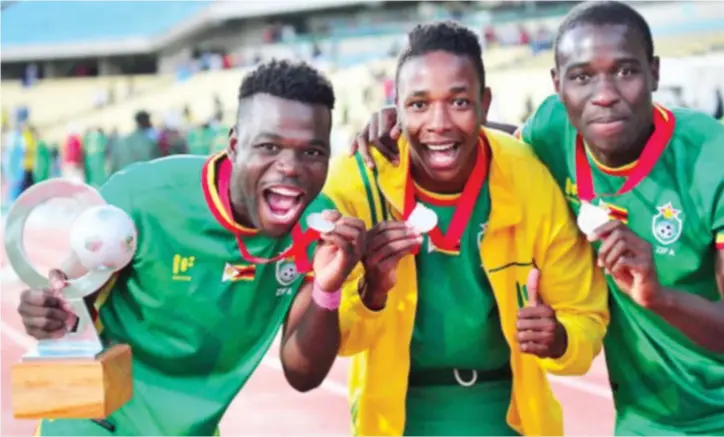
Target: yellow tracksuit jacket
529,223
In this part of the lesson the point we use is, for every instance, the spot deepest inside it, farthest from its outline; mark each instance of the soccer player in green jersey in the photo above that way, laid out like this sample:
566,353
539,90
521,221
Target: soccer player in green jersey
659,174
221,265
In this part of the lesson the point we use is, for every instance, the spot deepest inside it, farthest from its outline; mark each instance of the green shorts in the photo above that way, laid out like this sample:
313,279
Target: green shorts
461,411
631,424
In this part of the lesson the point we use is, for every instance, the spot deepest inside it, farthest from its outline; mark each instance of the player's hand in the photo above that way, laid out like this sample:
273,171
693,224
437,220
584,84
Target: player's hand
45,313
339,251
381,132
629,260
539,332
387,243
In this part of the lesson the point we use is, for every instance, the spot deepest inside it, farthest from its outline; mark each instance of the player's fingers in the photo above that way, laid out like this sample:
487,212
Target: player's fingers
396,131
38,298
332,215
548,325
602,231
338,241
391,237
397,248
363,148
540,337
31,311
532,286
373,131
352,222
608,242
536,312
57,279
534,349
608,259
44,324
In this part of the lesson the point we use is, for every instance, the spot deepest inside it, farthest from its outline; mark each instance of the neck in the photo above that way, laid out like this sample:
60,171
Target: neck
623,155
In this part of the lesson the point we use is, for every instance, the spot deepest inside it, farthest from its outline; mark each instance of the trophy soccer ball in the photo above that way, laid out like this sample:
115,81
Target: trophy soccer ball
103,238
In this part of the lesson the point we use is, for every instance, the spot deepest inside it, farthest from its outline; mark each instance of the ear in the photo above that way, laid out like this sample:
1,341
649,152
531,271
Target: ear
554,78
486,97
233,141
655,64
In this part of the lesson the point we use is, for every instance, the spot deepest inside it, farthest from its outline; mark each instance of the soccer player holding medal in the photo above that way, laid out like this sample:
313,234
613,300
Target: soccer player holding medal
475,281
222,263
647,185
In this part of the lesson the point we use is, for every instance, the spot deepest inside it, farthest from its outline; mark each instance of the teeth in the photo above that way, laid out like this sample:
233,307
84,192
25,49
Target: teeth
284,191
440,147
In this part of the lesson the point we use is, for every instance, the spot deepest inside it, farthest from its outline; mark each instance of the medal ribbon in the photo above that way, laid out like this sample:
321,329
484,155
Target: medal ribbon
300,240
663,129
450,241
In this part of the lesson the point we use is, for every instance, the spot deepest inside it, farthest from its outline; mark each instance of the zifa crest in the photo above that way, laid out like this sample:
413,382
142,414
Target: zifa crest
666,225
286,272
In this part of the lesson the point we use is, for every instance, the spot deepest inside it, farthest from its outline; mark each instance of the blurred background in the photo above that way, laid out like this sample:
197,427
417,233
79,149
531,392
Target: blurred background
78,78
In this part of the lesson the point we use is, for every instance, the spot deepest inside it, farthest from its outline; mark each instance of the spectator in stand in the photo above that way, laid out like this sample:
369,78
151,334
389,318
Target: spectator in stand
139,146
73,154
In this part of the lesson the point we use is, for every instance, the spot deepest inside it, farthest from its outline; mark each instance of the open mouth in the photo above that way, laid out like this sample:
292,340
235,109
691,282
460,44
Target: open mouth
282,204
442,156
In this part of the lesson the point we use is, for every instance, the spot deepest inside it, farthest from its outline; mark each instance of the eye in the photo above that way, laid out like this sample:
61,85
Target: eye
268,147
626,71
417,105
461,102
314,153
581,77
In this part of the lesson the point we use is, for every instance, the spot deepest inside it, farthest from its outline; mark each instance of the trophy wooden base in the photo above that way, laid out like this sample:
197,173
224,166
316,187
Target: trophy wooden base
72,388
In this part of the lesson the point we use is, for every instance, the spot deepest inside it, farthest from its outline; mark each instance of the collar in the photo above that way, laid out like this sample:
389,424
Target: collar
215,180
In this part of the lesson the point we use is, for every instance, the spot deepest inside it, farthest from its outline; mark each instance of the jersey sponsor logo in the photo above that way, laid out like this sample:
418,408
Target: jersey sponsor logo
181,267
238,272
666,225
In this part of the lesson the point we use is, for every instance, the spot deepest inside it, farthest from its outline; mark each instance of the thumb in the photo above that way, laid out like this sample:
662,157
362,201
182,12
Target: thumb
534,299
57,280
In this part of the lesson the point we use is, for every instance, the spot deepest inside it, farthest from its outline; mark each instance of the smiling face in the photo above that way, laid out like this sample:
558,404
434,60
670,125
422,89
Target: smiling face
280,153
605,79
441,106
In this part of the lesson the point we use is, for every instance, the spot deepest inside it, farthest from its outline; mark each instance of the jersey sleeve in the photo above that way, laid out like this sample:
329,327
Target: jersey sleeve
543,131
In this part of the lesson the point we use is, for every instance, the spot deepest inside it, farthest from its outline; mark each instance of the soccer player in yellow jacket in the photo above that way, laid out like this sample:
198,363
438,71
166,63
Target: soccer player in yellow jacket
453,330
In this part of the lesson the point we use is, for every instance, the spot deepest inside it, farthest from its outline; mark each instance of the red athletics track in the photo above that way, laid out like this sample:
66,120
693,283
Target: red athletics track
267,406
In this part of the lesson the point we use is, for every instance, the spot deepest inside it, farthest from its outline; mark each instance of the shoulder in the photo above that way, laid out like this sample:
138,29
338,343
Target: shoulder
140,182
547,120
519,170
346,176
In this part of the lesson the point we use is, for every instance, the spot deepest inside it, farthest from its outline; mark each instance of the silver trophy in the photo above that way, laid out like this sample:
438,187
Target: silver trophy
73,376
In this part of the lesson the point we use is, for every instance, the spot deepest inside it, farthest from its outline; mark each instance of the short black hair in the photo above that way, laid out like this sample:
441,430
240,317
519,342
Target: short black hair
297,81
446,36
601,13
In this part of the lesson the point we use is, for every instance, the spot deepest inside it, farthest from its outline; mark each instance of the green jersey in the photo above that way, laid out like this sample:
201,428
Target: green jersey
198,316
42,163
473,338
457,326
199,140
95,146
220,138
662,381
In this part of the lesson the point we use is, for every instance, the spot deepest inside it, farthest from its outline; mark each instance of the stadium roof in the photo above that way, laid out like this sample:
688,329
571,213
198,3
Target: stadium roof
34,30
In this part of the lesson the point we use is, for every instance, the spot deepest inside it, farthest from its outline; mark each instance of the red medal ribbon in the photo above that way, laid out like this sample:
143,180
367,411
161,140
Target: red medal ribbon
664,124
450,241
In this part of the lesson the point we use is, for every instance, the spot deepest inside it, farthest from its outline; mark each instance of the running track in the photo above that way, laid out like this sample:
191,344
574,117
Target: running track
267,406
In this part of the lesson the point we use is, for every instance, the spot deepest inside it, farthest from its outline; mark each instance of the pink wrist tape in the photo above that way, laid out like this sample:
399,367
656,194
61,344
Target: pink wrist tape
325,299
